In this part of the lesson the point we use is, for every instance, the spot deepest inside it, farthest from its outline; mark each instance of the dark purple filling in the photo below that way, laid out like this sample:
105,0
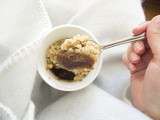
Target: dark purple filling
63,74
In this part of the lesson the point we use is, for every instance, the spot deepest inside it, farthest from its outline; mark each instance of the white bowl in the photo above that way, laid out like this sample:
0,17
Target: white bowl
62,32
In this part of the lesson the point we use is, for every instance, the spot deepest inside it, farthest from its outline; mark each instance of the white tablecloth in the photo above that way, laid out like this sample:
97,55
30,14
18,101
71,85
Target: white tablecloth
22,24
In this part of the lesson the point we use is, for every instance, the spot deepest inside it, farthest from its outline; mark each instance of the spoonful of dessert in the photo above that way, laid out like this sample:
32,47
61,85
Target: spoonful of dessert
80,52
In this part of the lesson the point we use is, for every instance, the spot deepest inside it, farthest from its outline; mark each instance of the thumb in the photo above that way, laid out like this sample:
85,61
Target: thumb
153,36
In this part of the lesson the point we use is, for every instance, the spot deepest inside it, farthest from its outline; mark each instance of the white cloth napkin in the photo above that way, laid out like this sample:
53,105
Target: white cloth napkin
6,114
25,21
21,23
91,103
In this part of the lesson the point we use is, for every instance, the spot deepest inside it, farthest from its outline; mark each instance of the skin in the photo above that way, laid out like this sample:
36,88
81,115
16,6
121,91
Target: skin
143,61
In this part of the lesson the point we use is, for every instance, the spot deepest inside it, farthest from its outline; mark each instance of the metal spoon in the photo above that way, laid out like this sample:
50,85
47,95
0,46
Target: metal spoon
123,41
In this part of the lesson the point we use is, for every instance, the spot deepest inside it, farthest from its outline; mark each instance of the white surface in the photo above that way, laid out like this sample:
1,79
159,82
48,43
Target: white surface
58,33
6,113
91,103
23,21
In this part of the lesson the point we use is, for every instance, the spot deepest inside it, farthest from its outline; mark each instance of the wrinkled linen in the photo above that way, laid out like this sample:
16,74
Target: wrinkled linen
24,95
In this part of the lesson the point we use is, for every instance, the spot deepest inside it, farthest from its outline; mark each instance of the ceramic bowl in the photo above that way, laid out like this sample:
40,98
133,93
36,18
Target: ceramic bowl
62,32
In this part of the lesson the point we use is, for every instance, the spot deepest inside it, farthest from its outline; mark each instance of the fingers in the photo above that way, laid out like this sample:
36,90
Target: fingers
133,56
152,30
139,47
135,52
140,29
129,65
137,57
130,58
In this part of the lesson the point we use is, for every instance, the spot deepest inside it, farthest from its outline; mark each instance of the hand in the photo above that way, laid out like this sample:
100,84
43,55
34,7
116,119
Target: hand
143,61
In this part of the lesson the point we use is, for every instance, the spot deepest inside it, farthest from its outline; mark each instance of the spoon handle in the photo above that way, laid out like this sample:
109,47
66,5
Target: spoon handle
123,41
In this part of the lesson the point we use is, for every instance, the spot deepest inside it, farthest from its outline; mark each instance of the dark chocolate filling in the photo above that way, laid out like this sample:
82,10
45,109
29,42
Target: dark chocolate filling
72,60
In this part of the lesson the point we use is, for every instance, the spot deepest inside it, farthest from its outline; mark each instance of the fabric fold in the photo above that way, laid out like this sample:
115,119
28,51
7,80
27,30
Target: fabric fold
25,23
91,103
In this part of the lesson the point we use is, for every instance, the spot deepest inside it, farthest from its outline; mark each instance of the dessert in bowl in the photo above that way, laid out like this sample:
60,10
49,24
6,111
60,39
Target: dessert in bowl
70,58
